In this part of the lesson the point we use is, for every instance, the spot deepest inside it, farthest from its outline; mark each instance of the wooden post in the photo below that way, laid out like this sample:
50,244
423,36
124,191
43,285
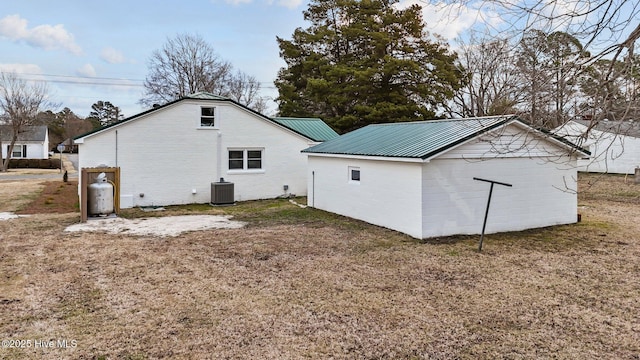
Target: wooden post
638,175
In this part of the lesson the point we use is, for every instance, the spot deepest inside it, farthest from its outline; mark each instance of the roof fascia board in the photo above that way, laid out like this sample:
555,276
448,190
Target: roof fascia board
260,115
365,157
551,137
80,139
513,121
468,139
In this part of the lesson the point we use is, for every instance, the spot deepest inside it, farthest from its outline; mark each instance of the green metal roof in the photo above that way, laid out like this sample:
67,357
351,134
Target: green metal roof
313,128
421,139
204,96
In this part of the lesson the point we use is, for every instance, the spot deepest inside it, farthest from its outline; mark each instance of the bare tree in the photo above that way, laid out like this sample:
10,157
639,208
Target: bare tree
245,89
188,64
607,29
20,103
492,85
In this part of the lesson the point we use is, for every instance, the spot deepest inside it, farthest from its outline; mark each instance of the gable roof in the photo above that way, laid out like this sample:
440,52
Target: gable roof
422,139
313,128
28,133
211,97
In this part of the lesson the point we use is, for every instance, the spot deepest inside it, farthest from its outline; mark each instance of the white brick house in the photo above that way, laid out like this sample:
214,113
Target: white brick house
418,178
171,154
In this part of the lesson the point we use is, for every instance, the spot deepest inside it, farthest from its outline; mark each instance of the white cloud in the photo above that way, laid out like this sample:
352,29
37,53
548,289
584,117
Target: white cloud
87,70
238,2
28,72
21,68
112,56
451,20
291,4
47,37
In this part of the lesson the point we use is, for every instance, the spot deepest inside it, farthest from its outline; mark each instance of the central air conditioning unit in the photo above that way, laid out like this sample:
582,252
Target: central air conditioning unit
222,193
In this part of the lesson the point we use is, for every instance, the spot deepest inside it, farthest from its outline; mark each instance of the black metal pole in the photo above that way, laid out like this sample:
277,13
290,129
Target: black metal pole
486,212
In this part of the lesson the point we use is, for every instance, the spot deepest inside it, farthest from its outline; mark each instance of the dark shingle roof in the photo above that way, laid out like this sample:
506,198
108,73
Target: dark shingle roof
28,133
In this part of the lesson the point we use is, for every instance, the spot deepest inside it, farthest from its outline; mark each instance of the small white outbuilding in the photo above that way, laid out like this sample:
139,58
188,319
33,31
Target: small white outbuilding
418,177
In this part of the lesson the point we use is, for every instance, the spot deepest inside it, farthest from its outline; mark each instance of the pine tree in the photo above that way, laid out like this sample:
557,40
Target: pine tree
364,62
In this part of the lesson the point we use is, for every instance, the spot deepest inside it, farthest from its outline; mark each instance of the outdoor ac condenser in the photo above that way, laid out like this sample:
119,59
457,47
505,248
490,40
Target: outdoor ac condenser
222,192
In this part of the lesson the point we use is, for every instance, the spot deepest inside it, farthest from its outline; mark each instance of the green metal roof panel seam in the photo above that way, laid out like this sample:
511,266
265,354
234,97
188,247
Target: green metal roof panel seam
313,128
413,139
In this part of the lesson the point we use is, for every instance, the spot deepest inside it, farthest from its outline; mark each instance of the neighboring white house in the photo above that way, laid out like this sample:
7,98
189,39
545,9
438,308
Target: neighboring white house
171,154
32,142
614,145
418,177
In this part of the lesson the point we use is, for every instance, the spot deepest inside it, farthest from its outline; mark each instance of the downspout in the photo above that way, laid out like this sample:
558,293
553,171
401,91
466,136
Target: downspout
116,148
219,156
313,189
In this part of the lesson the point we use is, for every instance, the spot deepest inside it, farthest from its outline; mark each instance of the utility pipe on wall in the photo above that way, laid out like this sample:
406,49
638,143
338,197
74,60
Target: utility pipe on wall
116,148
313,189
219,156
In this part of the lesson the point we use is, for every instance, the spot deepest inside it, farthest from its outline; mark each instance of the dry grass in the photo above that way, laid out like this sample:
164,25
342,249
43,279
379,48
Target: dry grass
16,194
301,283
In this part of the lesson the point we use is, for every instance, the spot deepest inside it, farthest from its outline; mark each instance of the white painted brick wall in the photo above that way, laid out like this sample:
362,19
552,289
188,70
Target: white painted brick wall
440,197
543,194
388,193
165,155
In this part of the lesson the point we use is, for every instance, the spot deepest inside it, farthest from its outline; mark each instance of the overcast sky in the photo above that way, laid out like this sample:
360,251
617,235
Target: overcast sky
89,51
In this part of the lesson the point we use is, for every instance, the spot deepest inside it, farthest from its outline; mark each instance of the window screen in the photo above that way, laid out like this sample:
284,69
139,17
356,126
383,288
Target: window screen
207,116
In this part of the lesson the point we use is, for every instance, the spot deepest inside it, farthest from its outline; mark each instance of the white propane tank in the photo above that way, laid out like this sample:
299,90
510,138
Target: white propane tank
100,196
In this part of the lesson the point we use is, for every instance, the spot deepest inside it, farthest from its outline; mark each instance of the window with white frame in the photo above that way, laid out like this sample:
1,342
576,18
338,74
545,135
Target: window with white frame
354,174
19,151
245,159
207,116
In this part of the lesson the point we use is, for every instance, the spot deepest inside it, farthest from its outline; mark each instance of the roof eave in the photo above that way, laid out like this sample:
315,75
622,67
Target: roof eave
158,108
367,157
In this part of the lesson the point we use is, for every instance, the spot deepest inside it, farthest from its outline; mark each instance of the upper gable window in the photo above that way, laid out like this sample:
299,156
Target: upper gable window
207,116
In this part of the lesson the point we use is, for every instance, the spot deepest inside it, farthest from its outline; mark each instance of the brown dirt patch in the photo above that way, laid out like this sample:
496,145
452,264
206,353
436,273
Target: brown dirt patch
302,283
56,197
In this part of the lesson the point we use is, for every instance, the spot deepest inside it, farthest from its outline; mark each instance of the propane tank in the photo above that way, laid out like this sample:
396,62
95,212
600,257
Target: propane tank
100,196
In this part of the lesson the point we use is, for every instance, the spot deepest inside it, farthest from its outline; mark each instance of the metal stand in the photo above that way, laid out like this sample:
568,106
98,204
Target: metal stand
486,213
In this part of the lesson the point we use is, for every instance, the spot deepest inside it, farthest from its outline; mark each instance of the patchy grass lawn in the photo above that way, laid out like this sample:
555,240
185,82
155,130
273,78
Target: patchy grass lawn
302,283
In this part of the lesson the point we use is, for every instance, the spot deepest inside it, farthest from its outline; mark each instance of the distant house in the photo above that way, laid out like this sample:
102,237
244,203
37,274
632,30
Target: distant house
418,177
614,145
171,154
32,142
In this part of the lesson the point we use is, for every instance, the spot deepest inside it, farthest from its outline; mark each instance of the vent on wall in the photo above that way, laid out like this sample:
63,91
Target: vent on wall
222,192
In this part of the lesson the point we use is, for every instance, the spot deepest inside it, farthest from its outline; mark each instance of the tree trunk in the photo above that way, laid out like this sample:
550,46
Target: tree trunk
5,164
